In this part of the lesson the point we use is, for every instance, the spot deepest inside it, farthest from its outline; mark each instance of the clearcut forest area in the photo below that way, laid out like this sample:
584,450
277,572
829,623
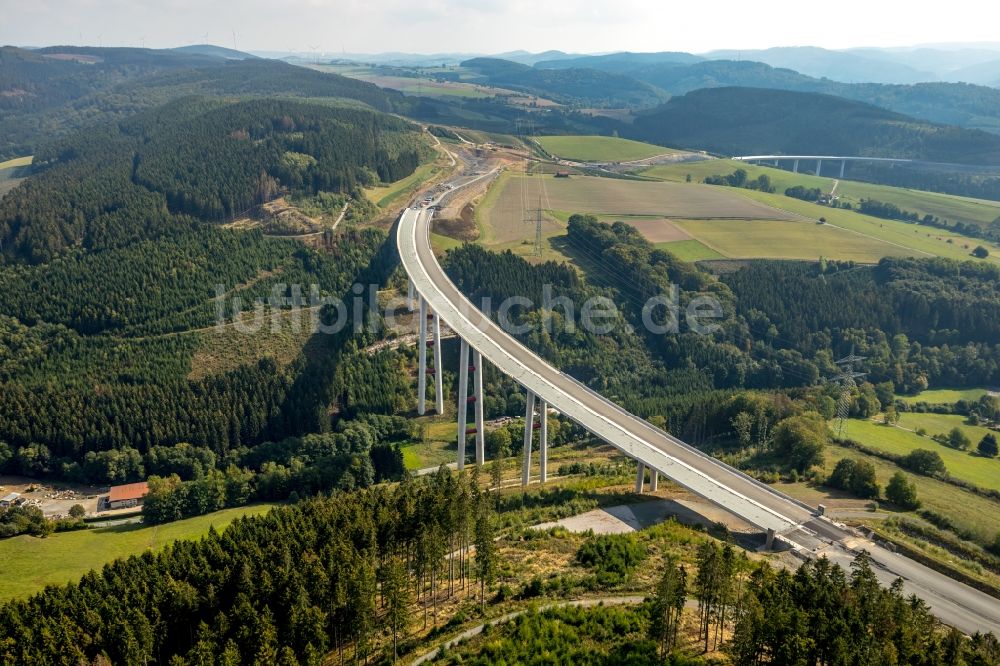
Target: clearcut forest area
178,225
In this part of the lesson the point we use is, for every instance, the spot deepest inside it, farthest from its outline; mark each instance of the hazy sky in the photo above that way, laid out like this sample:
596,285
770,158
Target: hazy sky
492,26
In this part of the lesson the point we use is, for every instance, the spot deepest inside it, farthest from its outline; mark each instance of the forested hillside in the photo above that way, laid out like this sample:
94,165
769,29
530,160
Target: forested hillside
283,589
51,92
961,104
113,263
587,87
195,157
747,121
917,320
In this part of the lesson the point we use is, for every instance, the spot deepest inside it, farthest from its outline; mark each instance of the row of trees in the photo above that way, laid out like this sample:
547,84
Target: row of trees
858,478
355,457
740,179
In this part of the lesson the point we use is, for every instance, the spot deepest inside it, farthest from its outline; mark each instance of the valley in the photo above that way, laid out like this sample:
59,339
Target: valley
213,265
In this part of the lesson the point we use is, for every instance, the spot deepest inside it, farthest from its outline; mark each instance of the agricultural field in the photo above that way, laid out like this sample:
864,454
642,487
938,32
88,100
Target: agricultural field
915,240
901,440
717,220
599,148
698,171
945,206
12,173
786,239
410,85
690,250
943,396
30,563
505,209
16,162
659,230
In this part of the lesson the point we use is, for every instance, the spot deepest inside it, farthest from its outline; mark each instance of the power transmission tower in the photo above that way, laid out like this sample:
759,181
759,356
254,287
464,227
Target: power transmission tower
534,216
847,382
538,228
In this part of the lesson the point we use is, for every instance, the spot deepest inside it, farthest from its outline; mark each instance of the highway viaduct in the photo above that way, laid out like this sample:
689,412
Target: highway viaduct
784,519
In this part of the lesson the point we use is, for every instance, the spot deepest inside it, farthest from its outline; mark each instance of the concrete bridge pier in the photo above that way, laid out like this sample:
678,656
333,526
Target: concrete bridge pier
819,167
654,480
410,291
795,166
529,427
422,356
477,391
543,441
843,164
640,477
438,370
463,400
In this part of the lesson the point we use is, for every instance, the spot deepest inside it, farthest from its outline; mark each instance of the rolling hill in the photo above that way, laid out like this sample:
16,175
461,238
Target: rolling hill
53,91
214,51
623,62
965,105
746,121
581,86
836,65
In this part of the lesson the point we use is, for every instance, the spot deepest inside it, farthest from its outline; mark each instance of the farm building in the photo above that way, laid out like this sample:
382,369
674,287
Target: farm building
8,500
127,496
562,174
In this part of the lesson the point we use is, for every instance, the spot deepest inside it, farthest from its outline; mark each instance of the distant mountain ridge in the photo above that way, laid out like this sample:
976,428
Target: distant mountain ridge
747,121
42,96
215,51
621,62
592,87
965,105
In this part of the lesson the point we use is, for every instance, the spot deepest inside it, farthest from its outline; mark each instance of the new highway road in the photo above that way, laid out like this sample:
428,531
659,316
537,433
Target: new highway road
794,522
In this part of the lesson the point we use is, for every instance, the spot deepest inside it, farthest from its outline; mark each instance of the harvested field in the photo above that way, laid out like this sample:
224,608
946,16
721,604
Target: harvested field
505,211
785,239
658,231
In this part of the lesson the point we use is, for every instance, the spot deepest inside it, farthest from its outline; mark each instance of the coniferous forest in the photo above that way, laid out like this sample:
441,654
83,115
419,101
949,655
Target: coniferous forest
113,251
136,238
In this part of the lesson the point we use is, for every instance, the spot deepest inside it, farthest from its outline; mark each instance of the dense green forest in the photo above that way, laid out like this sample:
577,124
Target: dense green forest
51,92
340,574
917,320
749,121
198,158
114,282
326,574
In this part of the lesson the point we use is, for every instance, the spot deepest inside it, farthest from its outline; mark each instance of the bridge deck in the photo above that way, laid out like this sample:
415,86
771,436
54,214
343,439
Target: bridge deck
753,501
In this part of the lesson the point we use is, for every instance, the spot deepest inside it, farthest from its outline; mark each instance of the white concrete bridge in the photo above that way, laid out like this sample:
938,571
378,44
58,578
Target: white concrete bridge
780,516
819,159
